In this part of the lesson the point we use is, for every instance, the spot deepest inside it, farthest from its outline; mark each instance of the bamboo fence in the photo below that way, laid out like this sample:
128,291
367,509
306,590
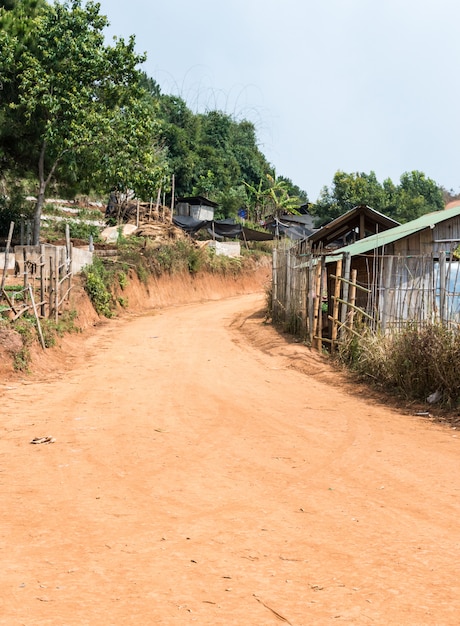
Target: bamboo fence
319,297
42,281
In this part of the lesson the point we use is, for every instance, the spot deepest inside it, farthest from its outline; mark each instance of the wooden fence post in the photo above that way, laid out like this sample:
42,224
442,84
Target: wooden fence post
287,297
51,287
317,320
442,286
39,327
346,287
354,274
274,280
173,191
386,304
42,281
335,305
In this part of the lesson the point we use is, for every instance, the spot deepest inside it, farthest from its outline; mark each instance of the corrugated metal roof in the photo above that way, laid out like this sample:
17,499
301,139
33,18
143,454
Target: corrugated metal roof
399,232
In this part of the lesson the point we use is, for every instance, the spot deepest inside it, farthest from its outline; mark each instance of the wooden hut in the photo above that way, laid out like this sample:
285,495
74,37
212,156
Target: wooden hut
406,273
354,225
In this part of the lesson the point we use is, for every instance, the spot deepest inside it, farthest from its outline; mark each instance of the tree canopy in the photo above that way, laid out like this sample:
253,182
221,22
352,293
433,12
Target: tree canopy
71,94
413,196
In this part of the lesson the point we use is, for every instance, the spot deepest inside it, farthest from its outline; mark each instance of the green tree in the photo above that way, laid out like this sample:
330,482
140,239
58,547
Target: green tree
128,158
17,28
415,195
72,89
271,197
348,191
179,133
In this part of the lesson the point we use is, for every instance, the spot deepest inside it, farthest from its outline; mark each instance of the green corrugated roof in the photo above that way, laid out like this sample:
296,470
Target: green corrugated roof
398,232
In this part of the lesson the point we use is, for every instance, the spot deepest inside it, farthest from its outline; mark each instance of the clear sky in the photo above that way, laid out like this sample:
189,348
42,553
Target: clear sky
352,85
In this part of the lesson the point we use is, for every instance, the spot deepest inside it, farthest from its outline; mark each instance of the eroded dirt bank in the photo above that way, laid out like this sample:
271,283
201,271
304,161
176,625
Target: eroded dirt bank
198,477
167,290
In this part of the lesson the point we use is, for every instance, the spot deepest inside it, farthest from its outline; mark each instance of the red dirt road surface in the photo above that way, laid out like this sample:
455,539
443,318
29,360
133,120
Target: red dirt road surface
204,470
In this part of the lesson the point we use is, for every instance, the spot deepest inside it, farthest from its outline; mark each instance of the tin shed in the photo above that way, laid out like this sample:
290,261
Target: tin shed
198,207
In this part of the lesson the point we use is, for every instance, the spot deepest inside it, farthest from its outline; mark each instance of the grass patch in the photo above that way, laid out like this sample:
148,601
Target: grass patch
51,329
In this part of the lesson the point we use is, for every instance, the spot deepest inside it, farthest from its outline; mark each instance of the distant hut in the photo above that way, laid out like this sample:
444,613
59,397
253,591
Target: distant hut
198,207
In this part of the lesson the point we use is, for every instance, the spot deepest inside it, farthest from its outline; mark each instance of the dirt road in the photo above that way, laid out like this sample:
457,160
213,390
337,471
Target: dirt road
198,475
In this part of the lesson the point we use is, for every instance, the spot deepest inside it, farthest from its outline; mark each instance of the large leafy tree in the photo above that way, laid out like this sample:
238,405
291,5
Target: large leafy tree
179,134
346,192
416,195
72,90
16,37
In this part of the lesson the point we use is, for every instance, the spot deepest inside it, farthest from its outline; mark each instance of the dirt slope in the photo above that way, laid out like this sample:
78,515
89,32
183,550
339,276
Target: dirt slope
198,477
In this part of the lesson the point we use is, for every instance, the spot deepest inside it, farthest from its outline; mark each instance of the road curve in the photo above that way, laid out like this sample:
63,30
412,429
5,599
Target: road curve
197,476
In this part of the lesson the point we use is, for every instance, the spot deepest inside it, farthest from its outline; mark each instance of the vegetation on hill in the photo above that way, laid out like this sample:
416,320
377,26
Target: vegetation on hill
78,116
415,195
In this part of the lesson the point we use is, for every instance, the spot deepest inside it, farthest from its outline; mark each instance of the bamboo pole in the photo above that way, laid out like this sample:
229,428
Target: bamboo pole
354,274
39,328
244,236
42,281
50,287
173,191
157,210
287,300
345,286
7,254
311,299
317,308
442,284
274,279
68,259
10,302
24,263
56,283
386,304
335,306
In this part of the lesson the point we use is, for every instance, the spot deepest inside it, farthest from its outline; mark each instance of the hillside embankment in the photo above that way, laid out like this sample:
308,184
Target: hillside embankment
159,292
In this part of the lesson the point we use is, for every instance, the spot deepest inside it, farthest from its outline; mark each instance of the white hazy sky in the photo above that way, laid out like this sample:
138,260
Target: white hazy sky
352,85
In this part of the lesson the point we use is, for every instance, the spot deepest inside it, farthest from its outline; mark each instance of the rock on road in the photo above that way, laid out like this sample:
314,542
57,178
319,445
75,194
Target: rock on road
198,476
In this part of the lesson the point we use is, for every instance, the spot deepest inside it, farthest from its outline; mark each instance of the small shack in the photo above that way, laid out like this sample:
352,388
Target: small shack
354,225
198,207
409,272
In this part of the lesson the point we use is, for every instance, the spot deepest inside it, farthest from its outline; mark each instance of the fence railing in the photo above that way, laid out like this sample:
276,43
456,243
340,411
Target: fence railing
319,297
41,283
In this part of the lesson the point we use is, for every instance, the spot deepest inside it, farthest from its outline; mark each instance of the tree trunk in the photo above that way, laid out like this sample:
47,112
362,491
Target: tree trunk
40,196
38,214
42,185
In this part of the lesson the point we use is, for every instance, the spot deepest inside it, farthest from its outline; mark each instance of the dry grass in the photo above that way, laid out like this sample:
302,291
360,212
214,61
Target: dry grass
413,363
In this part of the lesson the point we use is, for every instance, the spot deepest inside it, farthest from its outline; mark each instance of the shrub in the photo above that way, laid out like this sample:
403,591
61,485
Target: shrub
97,282
414,362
